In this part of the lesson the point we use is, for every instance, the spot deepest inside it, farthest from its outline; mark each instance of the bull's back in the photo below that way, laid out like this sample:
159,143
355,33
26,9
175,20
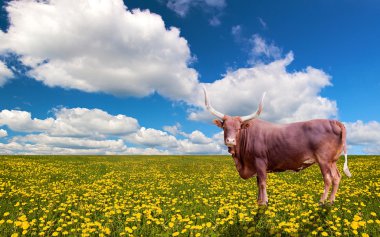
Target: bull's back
296,146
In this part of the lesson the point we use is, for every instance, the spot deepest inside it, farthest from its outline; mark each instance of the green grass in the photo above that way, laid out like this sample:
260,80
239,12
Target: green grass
184,195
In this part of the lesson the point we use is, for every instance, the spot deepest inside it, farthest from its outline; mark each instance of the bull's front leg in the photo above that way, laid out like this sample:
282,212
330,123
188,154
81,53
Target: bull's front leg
261,169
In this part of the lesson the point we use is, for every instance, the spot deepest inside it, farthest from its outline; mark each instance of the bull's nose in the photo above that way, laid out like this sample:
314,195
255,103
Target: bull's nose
230,142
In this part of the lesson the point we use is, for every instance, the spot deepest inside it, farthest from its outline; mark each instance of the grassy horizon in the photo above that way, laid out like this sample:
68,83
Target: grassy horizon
178,196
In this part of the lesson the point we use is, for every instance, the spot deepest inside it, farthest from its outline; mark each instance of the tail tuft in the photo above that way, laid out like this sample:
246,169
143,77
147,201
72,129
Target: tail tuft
345,167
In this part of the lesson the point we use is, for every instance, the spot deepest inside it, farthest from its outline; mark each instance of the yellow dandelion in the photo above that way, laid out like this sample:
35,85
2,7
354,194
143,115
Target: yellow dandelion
25,225
176,233
129,230
354,225
107,230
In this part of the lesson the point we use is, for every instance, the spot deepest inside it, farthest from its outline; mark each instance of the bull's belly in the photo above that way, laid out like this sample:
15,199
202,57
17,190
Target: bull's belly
293,165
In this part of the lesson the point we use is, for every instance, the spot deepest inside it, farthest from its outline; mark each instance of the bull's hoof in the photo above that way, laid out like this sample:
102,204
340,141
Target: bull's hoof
326,203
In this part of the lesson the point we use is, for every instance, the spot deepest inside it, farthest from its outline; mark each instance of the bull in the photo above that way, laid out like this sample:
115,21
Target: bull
259,147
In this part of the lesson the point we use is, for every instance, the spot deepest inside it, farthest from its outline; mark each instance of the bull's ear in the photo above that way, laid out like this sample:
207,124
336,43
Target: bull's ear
245,125
218,123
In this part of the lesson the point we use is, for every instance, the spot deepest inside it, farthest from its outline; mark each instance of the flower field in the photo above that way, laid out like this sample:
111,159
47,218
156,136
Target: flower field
178,196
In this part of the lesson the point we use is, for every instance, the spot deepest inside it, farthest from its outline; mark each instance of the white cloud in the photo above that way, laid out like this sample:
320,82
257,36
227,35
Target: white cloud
174,129
213,7
366,135
94,131
70,122
182,7
262,51
48,149
188,147
71,142
22,121
95,122
219,138
5,73
291,96
197,137
3,133
152,138
100,47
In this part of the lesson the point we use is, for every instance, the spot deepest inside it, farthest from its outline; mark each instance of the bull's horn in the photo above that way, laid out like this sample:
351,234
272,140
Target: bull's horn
210,108
258,111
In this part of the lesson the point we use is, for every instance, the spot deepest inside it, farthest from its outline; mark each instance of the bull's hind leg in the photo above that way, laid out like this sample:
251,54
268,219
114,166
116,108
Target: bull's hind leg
326,173
335,181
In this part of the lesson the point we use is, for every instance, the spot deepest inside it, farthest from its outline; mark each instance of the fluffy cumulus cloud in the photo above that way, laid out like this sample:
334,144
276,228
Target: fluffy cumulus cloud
291,96
21,121
71,142
100,47
94,131
193,143
152,138
5,73
75,122
95,122
366,135
197,137
188,147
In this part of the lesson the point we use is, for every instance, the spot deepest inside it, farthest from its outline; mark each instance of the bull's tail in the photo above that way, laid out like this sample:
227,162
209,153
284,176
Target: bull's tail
345,166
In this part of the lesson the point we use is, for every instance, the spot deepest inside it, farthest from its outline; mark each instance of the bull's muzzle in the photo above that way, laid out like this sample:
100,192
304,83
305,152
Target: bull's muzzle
230,142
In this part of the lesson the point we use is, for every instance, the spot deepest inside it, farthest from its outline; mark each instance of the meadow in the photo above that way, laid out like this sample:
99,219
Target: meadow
178,196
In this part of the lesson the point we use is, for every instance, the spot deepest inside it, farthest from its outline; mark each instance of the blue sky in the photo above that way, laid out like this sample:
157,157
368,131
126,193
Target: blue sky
113,77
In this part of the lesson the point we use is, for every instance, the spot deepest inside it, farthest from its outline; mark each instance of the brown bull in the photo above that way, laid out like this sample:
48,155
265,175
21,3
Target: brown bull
258,147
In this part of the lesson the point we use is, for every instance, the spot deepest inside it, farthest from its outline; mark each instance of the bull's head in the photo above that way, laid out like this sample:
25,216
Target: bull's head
232,125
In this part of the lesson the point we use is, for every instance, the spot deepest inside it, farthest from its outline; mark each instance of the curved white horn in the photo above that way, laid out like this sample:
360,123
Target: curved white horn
210,108
258,111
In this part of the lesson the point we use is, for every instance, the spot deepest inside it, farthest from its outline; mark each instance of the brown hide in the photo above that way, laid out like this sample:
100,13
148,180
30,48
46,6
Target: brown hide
292,146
